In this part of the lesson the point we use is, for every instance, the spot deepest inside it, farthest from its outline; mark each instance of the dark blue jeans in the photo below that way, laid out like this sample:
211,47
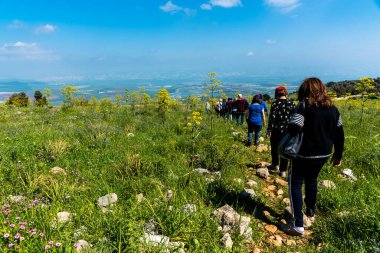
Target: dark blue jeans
304,170
240,115
254,128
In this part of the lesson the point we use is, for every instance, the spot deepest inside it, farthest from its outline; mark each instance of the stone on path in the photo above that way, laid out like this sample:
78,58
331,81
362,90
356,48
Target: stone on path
281,182
272,188
286,201
280,192
271,228
61,218
107,200
81,246
327,184
57,171
262,172
290,242
262,148
349,174
248,193
155,240
251,184
227,241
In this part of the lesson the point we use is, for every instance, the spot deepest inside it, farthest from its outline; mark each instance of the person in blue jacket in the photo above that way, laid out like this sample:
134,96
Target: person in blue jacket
255,119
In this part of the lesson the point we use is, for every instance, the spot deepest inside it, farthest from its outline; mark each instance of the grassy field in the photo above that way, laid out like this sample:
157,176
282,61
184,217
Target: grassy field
114,149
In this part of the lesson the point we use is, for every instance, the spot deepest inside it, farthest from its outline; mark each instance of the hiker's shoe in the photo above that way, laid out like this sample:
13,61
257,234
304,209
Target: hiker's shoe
271,167
292,230
283,174
248,143
310,213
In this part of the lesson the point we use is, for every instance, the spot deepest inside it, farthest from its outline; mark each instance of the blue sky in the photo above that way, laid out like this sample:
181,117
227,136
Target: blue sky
67,40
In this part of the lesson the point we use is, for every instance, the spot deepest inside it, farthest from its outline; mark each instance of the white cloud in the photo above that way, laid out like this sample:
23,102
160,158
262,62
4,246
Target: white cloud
226,3
284,6
221,3
206,7
271,41
170,7
173,9
251,54
24,51
16,24
48,28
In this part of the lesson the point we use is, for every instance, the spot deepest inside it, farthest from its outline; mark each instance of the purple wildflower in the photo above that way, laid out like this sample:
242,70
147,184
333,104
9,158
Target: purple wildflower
57,245
22,227
22,238
17,236
51,242
6,235
10,245
6,220
18,218
42,234
12,225
47,247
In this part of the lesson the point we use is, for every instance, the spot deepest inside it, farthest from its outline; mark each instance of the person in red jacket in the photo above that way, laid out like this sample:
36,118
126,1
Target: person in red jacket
241,104
322,128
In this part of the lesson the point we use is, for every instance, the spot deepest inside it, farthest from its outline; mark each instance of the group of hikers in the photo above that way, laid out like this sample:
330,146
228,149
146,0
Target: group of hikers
323,136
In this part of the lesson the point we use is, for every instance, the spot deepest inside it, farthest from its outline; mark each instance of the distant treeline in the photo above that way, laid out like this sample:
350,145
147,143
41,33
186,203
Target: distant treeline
348,87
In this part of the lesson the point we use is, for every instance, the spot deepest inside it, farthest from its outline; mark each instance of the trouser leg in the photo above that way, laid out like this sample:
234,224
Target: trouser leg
296,179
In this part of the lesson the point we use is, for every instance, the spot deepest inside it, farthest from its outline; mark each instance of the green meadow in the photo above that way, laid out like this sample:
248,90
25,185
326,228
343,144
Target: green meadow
146,154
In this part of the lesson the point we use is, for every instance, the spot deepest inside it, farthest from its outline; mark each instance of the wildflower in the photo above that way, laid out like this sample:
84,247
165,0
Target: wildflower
28,231
17,236
57,245
17,218
22,238
22,227
51,242
42,234
10,245
189,124
47,247
6,220
6,235
34,229
12,225
33,232
76,245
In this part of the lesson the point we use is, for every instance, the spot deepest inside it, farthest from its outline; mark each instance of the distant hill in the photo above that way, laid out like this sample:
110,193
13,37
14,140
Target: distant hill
348,87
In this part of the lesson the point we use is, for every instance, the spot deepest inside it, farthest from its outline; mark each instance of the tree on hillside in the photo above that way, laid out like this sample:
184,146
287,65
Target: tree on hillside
39,99
47,94
18,100
163,97
68,93
364,86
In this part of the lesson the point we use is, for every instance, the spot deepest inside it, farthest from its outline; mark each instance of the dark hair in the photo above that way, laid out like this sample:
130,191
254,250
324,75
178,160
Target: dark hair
256,99
314,93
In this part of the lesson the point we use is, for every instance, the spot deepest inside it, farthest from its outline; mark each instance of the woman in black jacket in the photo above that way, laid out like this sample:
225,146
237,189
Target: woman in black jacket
322,128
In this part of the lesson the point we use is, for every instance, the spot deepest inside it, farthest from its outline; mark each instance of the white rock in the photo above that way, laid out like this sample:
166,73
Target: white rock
248,193
217,174
189,209
227,241
226,215
58,171
262,172
349,174
155,240
202,171
107,200
261,139
244,226
327,184
251,184
81,246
